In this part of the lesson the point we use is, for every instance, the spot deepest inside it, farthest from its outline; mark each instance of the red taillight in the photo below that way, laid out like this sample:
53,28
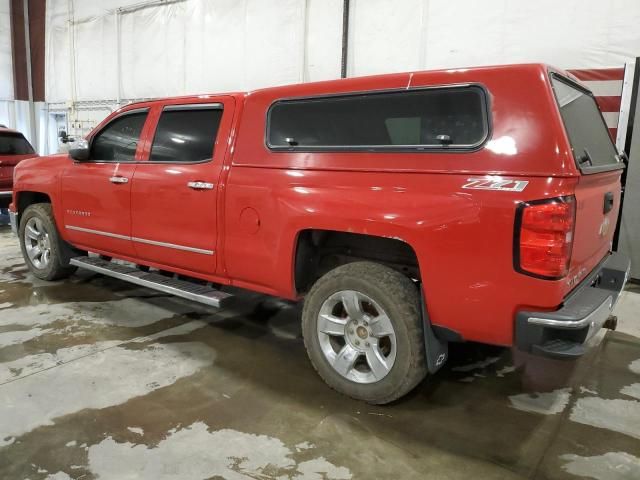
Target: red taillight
544,237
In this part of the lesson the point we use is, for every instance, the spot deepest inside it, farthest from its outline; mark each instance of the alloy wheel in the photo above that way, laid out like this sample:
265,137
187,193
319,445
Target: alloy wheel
356,336
37,243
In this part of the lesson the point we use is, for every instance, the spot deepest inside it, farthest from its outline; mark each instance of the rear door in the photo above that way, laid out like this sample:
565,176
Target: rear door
599,188
175,193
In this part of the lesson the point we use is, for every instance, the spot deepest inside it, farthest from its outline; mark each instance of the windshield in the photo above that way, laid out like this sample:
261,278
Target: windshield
12,143
587,131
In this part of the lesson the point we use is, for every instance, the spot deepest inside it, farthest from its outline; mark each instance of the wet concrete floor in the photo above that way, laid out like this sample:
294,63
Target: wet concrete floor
103,380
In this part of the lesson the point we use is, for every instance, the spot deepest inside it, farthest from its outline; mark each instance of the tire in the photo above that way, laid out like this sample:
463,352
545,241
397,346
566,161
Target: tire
55,264
393,364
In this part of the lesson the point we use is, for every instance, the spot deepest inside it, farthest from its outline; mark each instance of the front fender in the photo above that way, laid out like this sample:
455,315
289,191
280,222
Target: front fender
38,177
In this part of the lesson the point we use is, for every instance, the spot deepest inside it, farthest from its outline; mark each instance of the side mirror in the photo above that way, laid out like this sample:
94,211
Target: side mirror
80,151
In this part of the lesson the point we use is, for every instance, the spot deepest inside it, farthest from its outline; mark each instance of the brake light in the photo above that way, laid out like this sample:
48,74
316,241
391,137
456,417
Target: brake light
544,237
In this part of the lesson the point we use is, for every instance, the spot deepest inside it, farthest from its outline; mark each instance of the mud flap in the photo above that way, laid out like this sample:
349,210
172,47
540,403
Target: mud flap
437,350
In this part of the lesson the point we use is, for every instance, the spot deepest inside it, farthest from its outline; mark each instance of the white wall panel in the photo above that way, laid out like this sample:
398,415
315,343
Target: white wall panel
7,115
388,36
215,46
23,120
623,38
95,66
323,39
153,51
385,36
15,114
570,35
57,53
457,39
274,42
194,46
6,65
197,46
84,9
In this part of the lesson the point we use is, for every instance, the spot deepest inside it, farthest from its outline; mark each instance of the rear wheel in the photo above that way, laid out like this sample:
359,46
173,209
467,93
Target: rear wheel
45,253
363,332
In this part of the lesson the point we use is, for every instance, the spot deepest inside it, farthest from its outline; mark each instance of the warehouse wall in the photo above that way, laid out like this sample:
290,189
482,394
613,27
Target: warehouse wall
413,34
134,51
117,50
188,46
6,67
216,45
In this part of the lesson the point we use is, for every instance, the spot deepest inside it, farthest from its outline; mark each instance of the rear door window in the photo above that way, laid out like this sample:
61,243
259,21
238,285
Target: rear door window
186,133
14,143
585,126
421,119
118,141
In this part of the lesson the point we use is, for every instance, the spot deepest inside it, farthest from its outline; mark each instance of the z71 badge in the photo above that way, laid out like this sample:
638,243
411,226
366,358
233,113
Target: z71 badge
505,185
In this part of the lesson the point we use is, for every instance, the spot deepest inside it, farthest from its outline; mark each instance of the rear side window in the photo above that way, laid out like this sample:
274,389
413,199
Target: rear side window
13,143
186,134
587,131
434,118
117,142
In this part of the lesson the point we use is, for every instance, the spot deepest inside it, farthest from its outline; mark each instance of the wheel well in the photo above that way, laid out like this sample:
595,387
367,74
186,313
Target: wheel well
319,251
29,198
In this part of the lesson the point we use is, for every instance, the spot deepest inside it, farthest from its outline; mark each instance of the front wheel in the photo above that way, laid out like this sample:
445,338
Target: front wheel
45,253
363,332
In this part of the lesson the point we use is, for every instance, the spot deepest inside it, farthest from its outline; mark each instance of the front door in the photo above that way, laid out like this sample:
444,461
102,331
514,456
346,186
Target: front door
174,194
96,193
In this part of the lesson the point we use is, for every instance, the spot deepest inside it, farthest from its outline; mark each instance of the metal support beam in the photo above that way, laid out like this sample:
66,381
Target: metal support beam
116,17
27,44
345,38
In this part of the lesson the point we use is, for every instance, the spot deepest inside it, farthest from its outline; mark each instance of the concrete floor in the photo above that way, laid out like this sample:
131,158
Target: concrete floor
99,379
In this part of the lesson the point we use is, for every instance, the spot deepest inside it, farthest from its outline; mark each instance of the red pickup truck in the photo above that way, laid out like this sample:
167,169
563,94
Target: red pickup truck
407,210
13,149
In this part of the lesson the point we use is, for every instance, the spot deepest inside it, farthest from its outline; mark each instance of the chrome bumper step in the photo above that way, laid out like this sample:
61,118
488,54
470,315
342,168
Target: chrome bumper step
180,288
559,348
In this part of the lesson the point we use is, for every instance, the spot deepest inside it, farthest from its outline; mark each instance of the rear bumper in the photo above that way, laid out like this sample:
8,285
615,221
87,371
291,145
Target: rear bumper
565,333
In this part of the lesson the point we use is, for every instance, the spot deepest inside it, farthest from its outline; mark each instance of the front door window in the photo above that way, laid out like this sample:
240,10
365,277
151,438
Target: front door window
117,142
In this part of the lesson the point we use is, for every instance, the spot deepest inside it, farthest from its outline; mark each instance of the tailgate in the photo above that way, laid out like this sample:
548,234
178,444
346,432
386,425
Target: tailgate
7,164
6,177
598,203
599,188
13,149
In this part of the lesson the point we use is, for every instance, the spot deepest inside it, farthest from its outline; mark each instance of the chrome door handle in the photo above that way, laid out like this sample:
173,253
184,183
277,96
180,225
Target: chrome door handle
200,185
118,179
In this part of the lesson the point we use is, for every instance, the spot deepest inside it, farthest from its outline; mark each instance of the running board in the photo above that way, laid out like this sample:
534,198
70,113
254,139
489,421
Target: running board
180,288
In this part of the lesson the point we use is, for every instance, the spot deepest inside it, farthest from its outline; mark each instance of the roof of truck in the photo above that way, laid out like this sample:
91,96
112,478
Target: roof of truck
452,75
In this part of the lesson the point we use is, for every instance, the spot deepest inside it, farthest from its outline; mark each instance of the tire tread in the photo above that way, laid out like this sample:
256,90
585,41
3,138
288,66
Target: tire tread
405,295
61,250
